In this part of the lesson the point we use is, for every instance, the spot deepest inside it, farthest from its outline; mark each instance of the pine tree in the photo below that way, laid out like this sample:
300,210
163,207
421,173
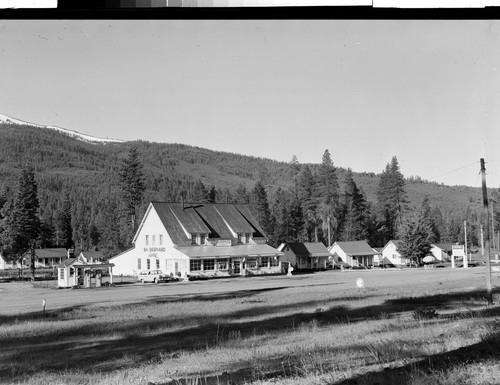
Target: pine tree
132,185
327,195
280,211
427,217
22,226
354,211
212,195
241,195
306,194
416,236
260,208
65,224
392,199
200,193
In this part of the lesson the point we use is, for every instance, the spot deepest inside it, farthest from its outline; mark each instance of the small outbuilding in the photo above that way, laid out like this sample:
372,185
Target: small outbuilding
79,272
305,255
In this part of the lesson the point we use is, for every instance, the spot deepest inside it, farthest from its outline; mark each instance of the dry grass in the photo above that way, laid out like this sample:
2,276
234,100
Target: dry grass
416,334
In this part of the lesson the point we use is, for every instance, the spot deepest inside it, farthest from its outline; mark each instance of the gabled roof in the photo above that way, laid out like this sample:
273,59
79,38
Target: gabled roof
59,252
395,242
356,248
311,249
247,214
214,219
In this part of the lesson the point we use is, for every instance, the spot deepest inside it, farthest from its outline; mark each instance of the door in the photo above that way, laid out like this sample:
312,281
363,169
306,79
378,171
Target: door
236,267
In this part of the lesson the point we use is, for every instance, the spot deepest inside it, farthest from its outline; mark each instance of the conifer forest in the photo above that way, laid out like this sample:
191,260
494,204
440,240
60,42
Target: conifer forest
93,196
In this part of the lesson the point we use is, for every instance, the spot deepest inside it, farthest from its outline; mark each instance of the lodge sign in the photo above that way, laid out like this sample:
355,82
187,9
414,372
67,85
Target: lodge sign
154,249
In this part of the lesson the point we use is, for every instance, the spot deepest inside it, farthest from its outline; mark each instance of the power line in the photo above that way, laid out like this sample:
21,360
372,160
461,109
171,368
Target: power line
455,170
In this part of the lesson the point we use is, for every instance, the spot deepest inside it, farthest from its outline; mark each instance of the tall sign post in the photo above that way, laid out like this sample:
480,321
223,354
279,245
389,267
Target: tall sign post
489,294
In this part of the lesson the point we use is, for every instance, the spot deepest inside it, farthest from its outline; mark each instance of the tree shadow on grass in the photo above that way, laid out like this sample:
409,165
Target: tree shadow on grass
488,349
143,339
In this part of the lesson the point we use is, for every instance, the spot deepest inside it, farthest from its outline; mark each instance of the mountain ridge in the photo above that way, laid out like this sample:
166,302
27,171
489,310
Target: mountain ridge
85,137
212,167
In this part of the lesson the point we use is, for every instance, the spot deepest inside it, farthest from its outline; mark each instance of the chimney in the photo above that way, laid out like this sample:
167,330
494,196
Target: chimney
182,201
71,253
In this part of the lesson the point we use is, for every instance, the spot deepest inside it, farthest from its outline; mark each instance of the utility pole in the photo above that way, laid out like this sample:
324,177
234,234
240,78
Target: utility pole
495,250
489,294
482,241
465,263
493,243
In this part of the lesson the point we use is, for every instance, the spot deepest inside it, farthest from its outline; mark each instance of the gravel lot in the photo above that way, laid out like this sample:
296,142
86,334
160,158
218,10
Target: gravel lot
20,298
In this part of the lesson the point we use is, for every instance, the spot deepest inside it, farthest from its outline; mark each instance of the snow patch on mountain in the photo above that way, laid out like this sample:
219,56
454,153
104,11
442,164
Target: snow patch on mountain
74,134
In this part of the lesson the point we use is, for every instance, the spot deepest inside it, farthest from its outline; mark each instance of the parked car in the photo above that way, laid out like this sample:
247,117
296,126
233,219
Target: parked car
154,276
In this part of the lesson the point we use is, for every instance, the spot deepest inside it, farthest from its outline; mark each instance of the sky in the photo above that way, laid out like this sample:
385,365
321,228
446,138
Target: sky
425,91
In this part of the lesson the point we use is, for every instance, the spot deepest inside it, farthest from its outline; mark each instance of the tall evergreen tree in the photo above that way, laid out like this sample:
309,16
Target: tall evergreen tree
199,192
327,193
65,224
416,237
241,195
427,217
132,185
354,211
212,195
260,208
306,194
280,211
23,223
392,200
111,238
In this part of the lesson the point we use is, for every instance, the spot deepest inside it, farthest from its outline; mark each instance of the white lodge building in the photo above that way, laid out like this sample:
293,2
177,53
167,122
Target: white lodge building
199,240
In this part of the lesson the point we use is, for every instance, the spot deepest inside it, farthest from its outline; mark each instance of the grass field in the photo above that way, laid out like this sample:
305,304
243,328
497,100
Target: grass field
404,327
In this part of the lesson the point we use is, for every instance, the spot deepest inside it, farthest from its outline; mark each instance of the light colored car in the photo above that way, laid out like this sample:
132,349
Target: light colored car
154,276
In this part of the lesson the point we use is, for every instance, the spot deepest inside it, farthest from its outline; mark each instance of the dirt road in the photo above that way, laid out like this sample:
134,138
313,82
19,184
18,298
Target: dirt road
20,298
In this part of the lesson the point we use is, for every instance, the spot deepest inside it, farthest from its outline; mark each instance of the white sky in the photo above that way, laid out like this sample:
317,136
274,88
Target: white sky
427,91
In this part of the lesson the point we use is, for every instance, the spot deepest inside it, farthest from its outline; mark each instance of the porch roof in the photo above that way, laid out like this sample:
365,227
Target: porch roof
310,249
246,250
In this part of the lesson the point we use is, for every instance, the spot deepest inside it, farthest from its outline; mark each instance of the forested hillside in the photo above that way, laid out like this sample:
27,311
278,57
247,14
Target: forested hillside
85,175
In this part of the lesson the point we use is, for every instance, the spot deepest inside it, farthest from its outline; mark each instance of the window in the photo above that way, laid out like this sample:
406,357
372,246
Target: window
263,261
148,264
193,239
157,263
275,261
195,265
222,264
153,239
239,237
61,273
147,240
247,238
251,263
160,239
208,264
202,239
139,264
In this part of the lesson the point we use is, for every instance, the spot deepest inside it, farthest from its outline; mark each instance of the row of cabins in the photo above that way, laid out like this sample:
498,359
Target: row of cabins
315,256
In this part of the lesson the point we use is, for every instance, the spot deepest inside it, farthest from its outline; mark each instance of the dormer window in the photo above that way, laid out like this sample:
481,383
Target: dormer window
193,239
239,237
202,239
247,238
